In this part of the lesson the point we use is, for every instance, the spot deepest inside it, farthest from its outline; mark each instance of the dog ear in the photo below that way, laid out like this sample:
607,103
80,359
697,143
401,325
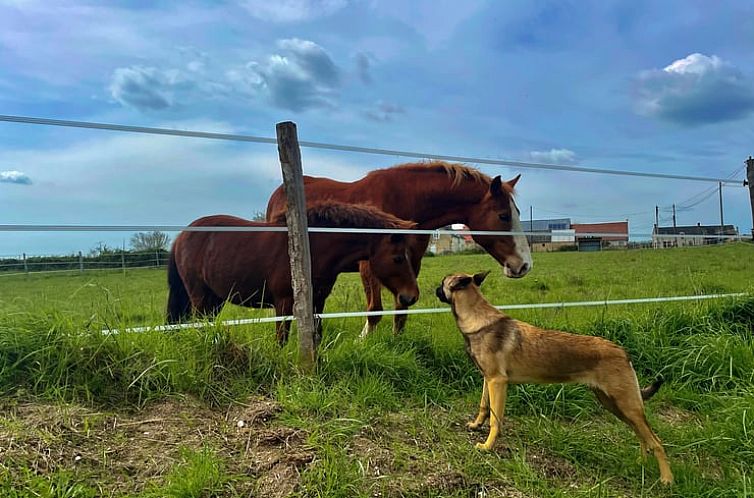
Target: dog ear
479,277
461,283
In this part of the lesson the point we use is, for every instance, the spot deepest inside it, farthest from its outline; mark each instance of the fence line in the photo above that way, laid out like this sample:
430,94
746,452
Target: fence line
182,228
422,311
351,148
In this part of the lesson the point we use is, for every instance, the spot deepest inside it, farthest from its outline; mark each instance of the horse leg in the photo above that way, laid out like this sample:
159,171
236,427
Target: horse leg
319,308
373,290
209,304
283,307
416,251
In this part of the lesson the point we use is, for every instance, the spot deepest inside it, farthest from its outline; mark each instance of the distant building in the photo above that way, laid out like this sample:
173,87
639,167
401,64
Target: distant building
445,243
588,242
694,235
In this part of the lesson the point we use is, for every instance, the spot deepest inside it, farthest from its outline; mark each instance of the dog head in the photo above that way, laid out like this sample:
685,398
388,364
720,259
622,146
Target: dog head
458,282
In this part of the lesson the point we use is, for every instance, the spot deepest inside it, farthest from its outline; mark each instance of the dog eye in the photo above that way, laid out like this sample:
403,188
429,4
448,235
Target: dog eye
398,260
505,218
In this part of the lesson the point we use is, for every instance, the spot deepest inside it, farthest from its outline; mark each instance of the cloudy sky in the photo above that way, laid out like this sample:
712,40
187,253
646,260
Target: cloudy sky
648,86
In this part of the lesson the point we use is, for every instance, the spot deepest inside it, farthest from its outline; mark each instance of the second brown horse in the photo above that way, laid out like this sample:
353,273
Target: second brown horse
252,269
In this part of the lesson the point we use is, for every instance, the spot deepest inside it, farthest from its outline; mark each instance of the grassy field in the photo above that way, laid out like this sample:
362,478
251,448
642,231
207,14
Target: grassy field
223,412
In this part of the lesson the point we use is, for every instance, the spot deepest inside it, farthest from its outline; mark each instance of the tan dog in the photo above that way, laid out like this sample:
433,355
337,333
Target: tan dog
511,352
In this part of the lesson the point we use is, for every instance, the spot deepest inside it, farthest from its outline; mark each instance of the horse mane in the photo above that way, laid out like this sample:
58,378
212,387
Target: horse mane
333,214
458,172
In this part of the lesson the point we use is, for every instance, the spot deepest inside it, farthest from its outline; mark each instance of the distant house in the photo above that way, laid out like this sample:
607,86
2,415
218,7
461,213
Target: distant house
587,242
445,244
694,235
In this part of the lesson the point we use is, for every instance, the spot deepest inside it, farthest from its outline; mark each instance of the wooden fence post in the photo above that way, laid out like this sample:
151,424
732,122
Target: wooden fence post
298,241
750,181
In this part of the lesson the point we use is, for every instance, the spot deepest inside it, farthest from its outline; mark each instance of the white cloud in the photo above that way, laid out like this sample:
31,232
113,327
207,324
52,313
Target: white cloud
14,176
301,76
695,90
554,156
286,11
143,87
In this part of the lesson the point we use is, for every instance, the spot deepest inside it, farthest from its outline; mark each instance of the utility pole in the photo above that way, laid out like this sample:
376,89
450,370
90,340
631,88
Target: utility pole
657,216
750,181
722,219
656,231
675,231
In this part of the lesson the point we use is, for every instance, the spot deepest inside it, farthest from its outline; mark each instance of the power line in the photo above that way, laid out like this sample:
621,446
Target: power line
351,148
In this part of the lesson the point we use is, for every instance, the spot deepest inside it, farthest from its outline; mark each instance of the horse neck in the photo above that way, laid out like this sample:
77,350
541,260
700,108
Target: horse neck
430,199
337,252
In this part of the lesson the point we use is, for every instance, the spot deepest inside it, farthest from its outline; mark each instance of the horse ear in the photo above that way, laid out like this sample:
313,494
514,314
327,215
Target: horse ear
461,283
514,181
496,187
479,277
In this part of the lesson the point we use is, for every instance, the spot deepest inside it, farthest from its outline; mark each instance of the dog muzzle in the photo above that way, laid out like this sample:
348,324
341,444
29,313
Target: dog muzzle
441,295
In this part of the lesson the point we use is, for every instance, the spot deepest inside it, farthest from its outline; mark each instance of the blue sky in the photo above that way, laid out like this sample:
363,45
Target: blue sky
649,86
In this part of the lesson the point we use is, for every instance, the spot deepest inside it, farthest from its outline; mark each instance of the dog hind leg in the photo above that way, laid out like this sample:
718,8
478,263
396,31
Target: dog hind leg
626,403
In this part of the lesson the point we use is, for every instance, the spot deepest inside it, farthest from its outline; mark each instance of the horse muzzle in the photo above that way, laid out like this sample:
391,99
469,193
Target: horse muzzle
407,300
517,273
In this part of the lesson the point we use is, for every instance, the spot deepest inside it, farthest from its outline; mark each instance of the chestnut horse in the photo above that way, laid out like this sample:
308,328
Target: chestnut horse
434,195
252,269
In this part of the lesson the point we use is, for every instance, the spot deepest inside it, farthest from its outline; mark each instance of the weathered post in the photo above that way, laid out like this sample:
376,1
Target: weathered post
750,181
157,258
298,241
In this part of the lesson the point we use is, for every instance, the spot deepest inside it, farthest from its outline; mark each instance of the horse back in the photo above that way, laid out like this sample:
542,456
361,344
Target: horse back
317,188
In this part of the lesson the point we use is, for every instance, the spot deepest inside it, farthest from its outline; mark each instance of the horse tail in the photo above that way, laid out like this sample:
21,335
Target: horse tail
179,304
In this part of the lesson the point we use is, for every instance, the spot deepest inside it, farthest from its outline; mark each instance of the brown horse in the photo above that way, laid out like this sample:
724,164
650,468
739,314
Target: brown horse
252,269
434,195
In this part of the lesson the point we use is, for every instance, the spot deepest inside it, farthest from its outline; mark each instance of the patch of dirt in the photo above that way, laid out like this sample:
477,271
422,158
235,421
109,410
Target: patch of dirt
675,416
127,452
550,466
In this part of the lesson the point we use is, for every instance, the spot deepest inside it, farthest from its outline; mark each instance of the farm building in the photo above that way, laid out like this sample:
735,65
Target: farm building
447,244
587,242
554,234
695,235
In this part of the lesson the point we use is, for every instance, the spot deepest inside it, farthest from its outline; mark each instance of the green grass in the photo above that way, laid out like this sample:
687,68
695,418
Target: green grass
386,415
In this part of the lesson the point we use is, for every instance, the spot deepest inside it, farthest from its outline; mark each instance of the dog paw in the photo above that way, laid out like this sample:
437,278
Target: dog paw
482,447
473,426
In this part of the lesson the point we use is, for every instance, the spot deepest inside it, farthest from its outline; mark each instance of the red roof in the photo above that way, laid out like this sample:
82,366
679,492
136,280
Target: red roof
619,227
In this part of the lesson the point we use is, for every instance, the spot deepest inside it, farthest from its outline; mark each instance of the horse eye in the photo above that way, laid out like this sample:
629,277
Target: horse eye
398,260
505,218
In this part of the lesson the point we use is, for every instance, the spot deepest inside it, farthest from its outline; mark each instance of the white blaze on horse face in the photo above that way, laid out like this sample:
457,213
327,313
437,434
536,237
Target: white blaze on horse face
522,251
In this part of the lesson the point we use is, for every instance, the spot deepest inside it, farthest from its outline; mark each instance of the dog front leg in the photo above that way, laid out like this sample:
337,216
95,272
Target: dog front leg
498,389
484,409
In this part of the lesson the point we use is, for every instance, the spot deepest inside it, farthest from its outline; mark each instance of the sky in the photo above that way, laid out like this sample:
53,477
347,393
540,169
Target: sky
647,86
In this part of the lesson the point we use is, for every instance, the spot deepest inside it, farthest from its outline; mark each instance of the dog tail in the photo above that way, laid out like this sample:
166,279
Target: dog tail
651,389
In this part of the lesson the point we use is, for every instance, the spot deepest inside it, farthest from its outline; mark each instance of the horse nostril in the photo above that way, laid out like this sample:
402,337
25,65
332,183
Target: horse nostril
524,269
